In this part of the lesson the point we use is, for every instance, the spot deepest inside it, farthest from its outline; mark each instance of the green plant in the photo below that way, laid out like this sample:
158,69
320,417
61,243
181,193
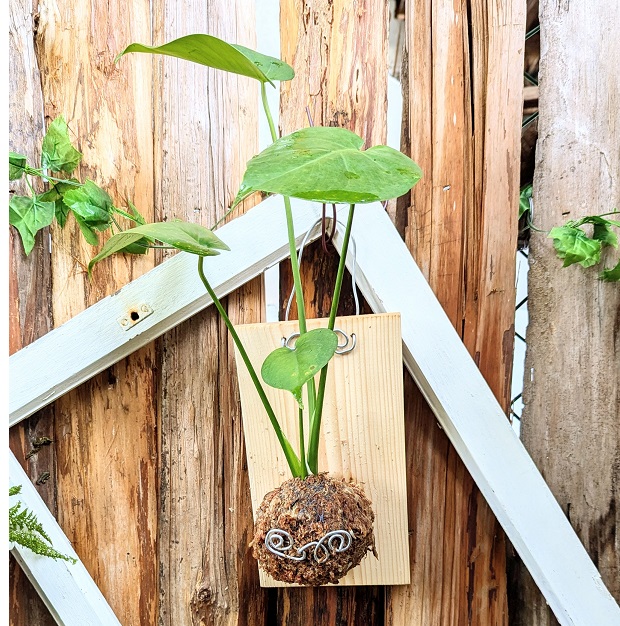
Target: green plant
325,165
573,244
26,530
90,205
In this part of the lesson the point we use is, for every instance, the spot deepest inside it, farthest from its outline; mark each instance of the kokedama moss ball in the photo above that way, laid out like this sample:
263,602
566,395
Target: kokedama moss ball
299,521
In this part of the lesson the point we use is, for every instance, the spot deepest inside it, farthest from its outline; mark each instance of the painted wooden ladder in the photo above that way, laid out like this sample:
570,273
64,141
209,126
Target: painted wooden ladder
432,352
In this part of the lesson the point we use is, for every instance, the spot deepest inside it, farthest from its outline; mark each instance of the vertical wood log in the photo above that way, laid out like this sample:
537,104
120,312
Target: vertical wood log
570,424
462,89
30,314
339,52
105,429
205,132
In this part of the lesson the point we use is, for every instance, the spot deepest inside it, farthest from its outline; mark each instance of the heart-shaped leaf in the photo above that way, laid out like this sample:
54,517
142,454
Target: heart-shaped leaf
213,52
57,153
29,216
326,164
292,369
184,236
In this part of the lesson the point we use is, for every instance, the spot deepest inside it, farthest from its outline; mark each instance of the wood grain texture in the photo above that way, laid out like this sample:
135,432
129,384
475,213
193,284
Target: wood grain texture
570,424
104,430
205,132
461,120
30,314
339,52
362,431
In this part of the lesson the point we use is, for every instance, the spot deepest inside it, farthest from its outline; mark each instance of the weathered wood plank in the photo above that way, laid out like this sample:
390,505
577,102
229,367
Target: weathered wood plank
362,431
475,423
66,588
30,314
571,421
339,52
462,92
206,130
106,463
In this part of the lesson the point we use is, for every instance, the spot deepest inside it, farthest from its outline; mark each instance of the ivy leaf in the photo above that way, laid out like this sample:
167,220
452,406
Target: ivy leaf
17,165
213,52
184,236
55,194
292,369
90,204
57,153
611,274
524,200
29,215
142,245
326,164
574,246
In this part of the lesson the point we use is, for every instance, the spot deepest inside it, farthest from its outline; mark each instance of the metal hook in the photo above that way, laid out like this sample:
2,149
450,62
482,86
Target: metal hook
343,348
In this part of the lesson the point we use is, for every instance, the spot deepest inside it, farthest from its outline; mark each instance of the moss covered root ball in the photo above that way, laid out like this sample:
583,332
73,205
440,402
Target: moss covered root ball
300,513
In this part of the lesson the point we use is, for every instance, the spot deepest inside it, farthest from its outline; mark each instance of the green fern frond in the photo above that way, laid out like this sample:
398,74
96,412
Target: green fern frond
26,530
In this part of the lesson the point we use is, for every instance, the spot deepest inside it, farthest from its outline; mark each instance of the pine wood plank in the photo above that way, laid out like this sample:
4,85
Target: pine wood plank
571,421
362,434
106,464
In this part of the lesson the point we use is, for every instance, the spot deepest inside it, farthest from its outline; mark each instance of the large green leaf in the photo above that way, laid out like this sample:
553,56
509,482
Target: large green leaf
57,152
184,236
574,246
29,216
213,52
292,369
326,164
17,165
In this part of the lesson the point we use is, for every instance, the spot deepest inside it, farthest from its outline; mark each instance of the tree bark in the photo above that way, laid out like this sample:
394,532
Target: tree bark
570,421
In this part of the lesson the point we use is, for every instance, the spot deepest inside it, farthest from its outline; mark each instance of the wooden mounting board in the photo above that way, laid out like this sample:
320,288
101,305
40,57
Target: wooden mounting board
362,433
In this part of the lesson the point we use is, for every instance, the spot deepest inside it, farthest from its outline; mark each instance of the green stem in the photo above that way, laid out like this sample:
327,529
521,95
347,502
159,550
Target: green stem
315,425
302,451
299,294
296,466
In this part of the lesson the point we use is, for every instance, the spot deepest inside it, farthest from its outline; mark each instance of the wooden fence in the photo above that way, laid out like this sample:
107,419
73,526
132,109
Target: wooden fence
147,469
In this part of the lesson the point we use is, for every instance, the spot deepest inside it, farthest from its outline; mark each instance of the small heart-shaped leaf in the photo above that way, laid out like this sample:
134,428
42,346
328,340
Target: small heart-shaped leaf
213,52
292,369
327,164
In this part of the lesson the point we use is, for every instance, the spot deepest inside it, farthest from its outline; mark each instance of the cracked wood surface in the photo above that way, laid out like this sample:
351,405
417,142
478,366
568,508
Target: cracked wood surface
570,423
462,83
